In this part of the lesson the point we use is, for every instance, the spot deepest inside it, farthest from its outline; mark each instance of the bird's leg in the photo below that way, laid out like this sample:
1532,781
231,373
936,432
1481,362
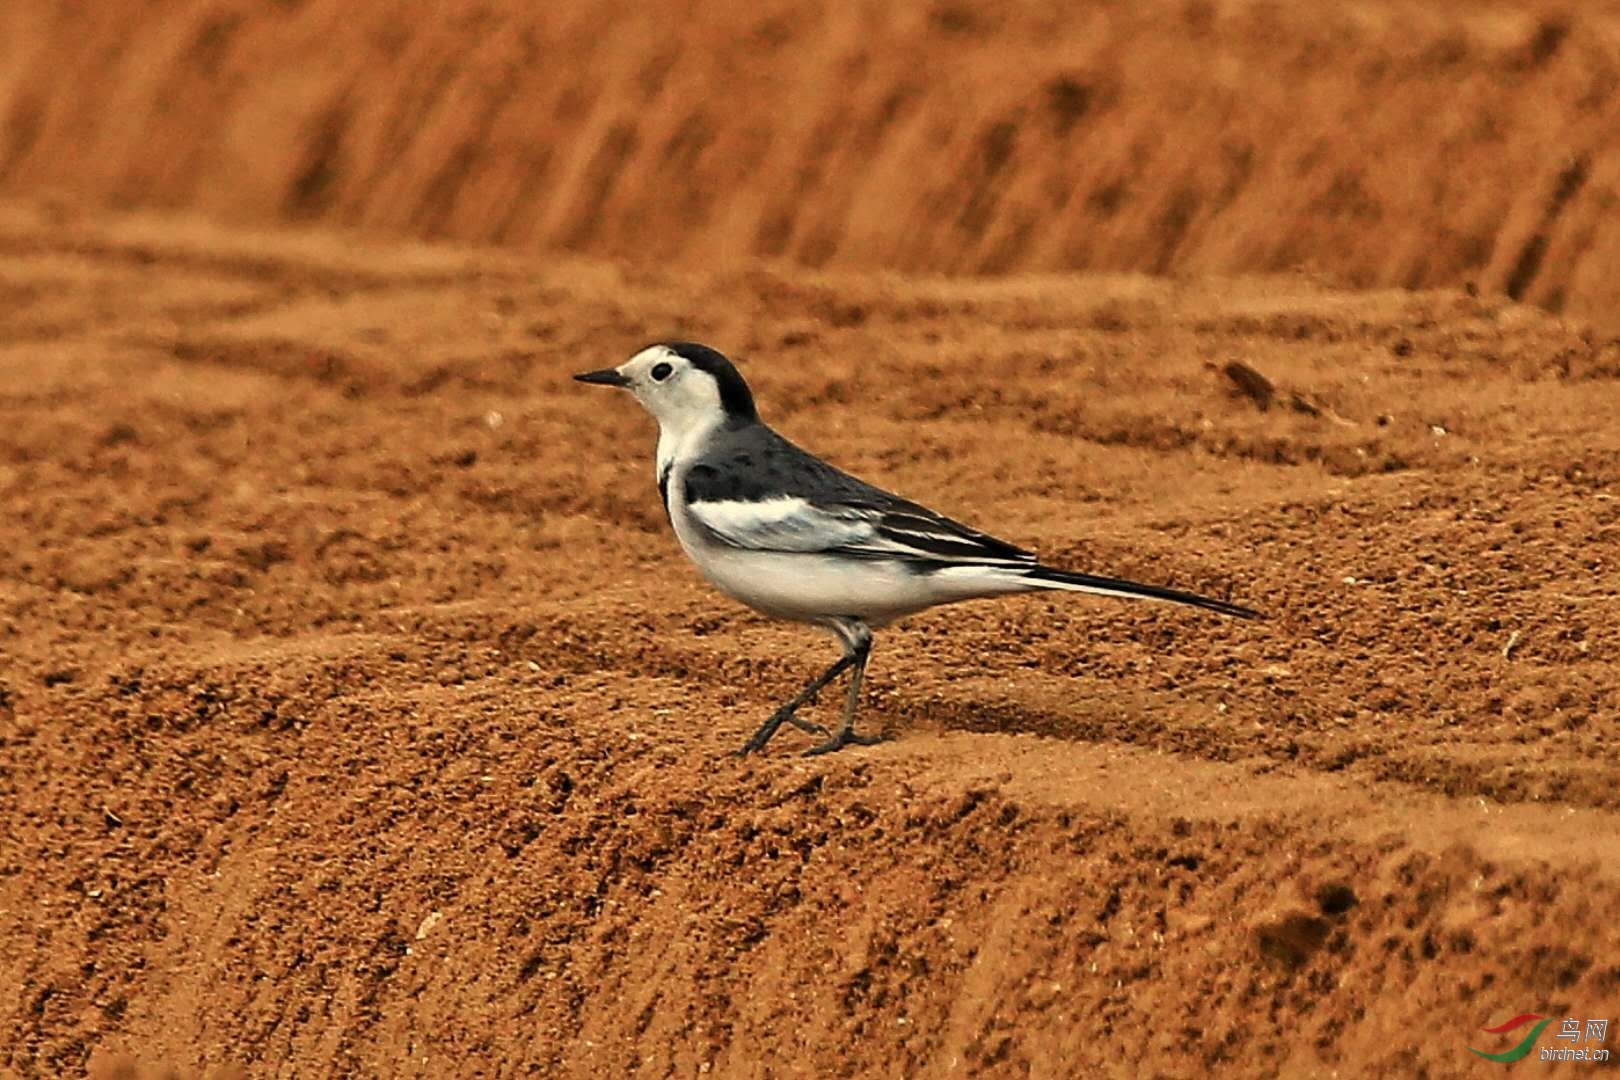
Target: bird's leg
786,714
846,730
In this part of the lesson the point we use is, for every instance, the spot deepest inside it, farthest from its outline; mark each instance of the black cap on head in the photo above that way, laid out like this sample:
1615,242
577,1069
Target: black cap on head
735,396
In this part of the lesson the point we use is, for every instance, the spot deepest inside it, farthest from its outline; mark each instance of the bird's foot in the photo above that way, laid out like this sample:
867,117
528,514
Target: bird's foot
845,737
809,727
757,741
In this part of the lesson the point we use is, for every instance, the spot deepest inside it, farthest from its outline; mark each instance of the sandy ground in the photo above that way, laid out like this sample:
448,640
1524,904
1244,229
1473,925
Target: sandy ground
358,713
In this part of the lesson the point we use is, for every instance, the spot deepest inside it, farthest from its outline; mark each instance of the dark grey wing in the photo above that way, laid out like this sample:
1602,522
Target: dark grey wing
936,537
753,489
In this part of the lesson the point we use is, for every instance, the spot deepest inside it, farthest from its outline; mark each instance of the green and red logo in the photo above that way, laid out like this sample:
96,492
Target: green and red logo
1579,1037
1525,1045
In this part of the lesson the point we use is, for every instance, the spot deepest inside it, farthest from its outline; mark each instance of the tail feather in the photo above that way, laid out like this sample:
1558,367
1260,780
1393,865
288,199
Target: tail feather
1050,578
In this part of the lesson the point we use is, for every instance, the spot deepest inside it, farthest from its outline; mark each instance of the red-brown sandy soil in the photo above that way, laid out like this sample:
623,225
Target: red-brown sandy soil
1387,142
361,715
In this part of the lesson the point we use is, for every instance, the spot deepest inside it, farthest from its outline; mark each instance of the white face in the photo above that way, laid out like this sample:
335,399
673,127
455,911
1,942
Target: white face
680,397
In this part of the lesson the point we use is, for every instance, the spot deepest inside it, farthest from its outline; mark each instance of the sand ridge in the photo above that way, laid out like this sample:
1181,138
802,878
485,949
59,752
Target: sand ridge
1405,143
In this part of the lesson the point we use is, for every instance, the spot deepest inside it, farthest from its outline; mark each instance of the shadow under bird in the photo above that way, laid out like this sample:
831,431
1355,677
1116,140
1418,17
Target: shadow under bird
784,532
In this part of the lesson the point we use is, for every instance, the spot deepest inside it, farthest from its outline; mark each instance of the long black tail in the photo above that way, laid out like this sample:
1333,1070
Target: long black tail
1050,578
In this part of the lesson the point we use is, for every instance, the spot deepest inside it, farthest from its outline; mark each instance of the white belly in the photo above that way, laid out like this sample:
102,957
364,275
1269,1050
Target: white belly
811,588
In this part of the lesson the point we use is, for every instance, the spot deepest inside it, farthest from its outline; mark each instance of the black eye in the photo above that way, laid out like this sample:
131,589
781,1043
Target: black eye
660,372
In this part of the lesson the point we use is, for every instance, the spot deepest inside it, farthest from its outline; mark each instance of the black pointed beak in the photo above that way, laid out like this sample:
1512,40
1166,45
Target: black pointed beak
606,377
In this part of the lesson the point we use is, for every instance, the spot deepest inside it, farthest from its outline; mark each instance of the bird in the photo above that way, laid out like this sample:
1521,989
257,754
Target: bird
795,538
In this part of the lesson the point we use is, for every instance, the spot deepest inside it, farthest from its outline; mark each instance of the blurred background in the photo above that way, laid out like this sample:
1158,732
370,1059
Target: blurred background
1378,143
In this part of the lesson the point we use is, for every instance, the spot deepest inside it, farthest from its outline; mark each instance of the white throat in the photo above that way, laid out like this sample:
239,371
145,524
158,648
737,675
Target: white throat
680,439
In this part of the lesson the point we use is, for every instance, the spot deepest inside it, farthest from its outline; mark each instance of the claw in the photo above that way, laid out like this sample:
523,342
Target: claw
809,727
841,740
784,715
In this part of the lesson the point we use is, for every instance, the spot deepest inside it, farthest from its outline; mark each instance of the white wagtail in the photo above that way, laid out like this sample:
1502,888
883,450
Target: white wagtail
795,538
